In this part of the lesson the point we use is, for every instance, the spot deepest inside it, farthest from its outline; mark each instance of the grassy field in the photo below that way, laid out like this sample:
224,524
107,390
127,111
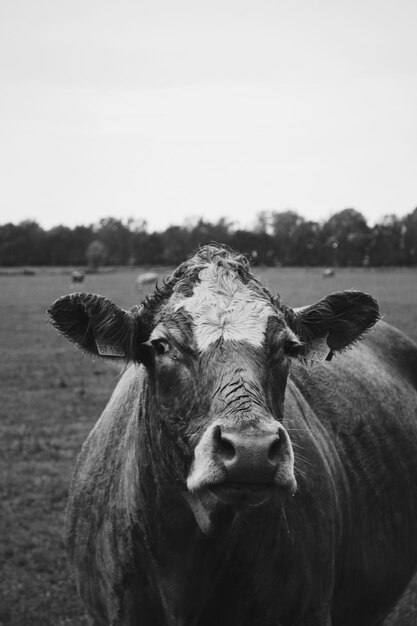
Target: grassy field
51,395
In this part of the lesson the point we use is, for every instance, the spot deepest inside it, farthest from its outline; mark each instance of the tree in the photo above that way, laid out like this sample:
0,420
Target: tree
410,238
258,245
277,237
176,245
347,234
263,222
305,247
387,244
81,238
117,238
295,240
96,254
284,228
59,242
204,232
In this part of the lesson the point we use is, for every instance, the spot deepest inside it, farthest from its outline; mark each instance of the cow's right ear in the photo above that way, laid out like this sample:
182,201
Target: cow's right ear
97,325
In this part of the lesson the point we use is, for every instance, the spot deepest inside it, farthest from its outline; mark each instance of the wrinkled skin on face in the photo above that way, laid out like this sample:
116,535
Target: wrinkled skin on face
219,360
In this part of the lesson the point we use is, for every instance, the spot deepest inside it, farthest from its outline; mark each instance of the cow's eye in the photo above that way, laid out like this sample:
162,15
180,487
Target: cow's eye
161,346
292,347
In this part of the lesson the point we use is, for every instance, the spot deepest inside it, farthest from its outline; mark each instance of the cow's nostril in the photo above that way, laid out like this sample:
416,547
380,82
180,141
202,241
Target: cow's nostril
226,449
274,451
224,445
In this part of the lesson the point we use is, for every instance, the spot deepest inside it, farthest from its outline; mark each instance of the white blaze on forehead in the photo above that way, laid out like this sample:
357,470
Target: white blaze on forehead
223,307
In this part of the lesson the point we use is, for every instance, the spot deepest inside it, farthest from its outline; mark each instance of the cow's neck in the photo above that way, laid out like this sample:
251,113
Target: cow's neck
188,564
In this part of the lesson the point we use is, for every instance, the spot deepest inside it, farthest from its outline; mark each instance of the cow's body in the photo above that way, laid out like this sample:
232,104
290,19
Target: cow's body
77,276
336,551
146,278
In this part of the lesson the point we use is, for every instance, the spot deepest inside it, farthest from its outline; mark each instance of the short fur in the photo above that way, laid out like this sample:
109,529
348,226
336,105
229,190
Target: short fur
147,551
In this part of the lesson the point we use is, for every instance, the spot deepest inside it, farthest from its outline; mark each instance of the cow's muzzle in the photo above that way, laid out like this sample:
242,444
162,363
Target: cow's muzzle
243,467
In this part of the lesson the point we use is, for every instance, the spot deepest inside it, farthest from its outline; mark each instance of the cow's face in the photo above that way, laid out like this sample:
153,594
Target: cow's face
217,349
219,360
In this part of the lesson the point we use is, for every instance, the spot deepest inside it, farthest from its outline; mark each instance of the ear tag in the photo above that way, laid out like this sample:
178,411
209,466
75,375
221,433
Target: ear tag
318,350
107,350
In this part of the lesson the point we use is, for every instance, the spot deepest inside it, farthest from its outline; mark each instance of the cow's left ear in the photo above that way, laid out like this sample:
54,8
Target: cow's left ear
333,323
96,325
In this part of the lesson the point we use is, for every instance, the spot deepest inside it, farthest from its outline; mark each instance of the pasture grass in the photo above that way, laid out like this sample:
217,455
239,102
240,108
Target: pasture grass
51,395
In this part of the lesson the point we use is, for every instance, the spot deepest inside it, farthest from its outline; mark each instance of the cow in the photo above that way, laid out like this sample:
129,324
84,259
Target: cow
256,463
77,276
147,278
328,272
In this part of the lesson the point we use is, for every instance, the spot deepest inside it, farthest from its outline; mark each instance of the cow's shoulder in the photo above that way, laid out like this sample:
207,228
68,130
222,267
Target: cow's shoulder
371,386
120,409
106,464
104,450
102,505
395,352
383,356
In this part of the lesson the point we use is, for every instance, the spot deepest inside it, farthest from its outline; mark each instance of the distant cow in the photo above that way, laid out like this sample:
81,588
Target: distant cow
230,482
77,276
146,278
328,272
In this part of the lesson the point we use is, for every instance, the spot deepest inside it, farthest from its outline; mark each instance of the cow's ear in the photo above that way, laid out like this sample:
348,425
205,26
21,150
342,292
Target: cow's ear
96,325
333,323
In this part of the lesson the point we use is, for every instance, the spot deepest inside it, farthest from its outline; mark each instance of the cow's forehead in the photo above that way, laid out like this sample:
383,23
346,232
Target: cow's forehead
221,306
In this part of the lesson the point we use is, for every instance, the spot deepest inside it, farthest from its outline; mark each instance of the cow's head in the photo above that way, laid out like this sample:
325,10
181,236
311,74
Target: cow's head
217,348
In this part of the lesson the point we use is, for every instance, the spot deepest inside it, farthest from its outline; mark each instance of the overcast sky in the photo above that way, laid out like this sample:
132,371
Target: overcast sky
169,109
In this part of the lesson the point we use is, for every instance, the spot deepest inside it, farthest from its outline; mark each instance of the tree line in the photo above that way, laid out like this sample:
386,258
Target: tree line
277,238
